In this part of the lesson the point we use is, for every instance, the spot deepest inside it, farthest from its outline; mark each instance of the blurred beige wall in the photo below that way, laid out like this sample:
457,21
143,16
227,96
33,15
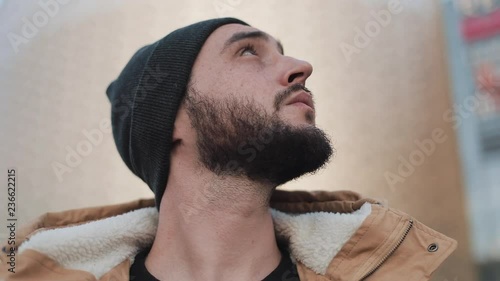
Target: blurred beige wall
377,95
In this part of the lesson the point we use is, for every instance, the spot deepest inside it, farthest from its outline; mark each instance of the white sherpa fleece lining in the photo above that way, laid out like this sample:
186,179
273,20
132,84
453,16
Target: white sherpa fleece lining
98,246
315,238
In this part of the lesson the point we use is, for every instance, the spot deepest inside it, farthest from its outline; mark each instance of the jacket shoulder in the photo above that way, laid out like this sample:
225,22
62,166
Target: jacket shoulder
46,244
388,245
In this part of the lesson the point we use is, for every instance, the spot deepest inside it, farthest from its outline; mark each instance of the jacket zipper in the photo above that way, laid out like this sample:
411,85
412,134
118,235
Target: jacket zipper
391,252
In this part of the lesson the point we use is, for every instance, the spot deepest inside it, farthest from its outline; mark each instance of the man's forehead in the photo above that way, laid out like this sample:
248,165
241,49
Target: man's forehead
231,28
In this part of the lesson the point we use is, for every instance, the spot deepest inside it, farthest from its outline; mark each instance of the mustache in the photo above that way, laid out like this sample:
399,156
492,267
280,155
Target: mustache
284,94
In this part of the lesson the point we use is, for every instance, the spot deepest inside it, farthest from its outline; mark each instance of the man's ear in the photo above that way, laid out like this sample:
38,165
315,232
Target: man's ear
182,122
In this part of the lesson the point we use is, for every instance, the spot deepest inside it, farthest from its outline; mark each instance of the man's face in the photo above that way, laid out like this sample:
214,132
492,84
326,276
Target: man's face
250,64
250,110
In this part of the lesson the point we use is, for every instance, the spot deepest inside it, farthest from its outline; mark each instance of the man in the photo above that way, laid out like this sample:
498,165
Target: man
213,118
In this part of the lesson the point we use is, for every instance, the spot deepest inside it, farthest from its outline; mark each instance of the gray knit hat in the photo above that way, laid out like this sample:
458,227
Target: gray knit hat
146,96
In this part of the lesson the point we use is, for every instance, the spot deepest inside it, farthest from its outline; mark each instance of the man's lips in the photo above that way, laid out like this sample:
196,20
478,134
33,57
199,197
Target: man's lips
302,97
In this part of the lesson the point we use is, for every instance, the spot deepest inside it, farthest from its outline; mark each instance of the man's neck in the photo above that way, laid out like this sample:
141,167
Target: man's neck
214,228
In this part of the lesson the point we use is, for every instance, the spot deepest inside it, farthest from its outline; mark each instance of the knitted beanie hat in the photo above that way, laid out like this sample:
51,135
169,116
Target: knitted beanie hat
146,96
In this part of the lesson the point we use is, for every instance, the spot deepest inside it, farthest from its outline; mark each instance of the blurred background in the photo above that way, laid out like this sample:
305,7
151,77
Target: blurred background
409,91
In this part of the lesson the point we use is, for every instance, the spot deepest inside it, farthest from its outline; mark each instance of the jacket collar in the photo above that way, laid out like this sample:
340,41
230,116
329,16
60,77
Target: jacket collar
331,236
314,225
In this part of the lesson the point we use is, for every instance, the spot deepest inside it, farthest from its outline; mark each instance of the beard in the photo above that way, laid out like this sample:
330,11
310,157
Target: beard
237,137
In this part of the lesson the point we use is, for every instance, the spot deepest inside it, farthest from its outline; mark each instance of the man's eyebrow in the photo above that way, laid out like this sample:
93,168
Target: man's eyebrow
238,36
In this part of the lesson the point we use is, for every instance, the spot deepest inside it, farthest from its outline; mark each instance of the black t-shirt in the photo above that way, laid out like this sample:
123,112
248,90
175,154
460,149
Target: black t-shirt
286,270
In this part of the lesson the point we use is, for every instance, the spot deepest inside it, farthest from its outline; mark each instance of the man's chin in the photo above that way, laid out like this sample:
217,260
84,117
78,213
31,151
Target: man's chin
300,121
294,152
296,114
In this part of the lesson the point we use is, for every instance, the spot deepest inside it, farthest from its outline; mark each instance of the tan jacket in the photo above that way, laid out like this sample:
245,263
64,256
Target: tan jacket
332,236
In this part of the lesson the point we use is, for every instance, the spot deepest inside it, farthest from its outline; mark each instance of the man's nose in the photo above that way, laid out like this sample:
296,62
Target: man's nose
298,72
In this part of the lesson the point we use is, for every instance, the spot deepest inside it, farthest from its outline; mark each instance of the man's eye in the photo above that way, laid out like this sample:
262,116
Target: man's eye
248,49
